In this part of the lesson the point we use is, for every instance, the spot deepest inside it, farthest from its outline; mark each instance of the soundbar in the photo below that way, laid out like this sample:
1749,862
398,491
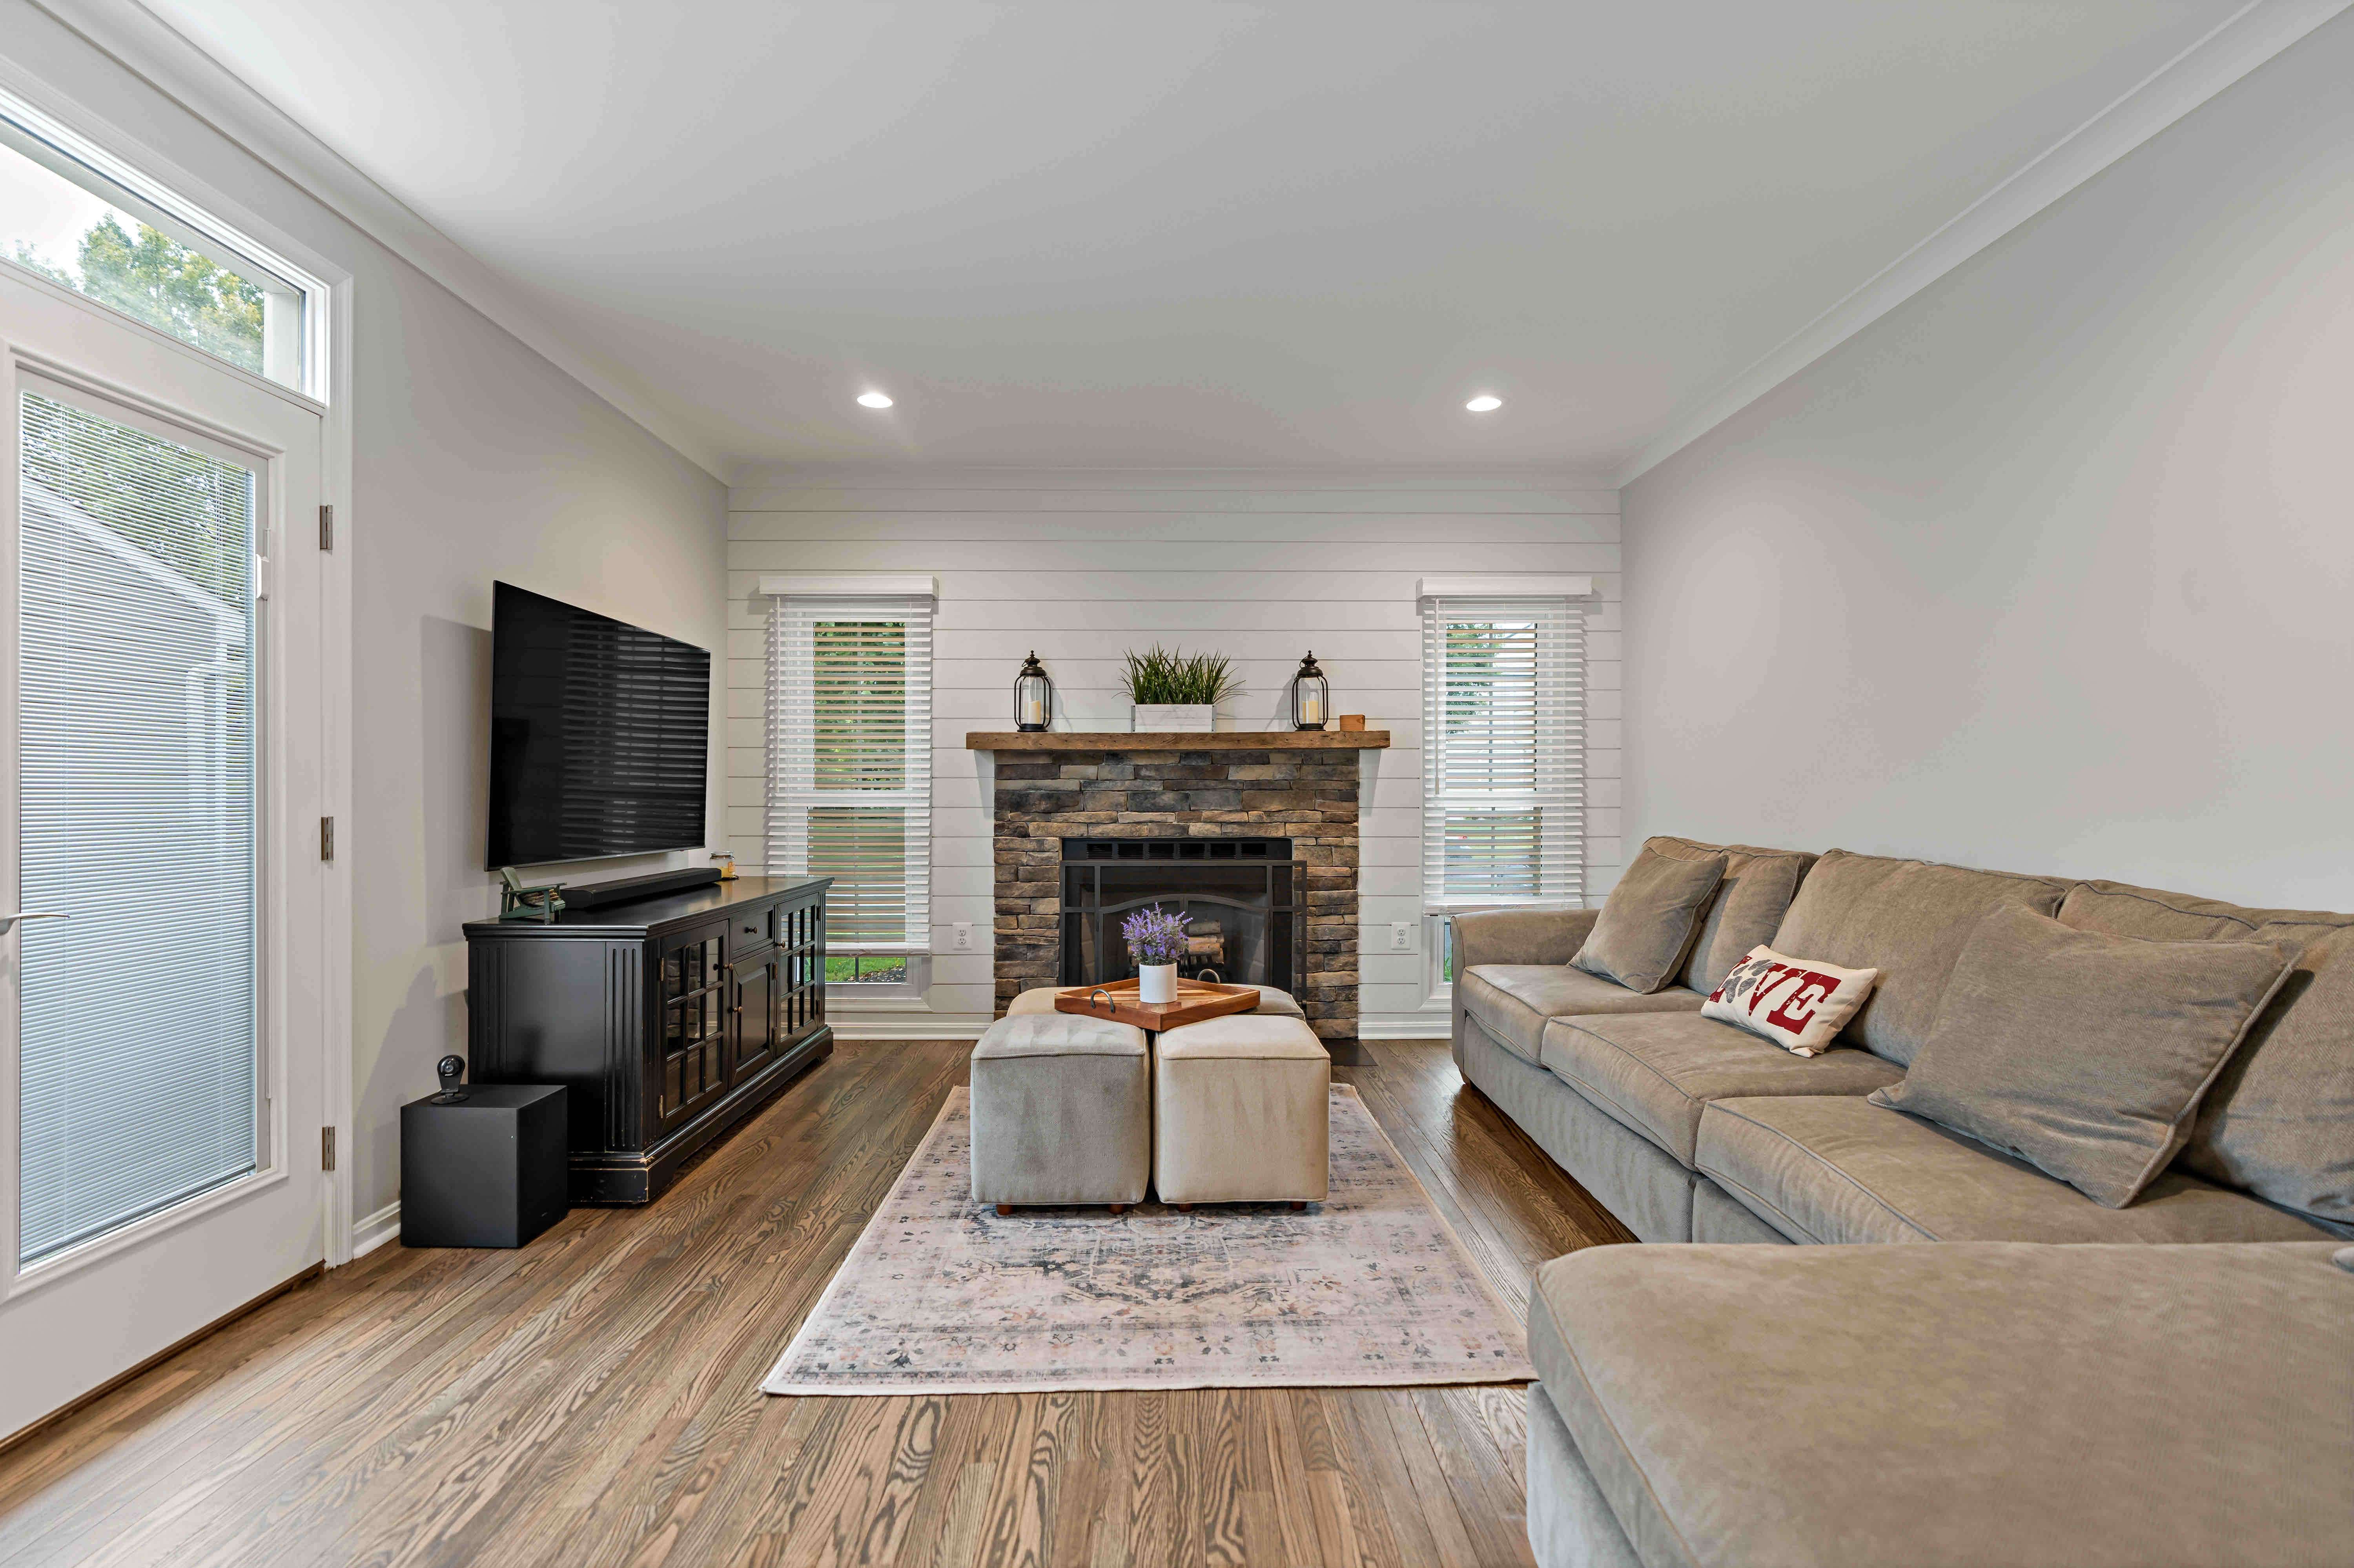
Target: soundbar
632,889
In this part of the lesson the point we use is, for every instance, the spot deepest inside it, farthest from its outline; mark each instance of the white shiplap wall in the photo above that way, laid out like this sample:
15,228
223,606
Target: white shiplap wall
1083,565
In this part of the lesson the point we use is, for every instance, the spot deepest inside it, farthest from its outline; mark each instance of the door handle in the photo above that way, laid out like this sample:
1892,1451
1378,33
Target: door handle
8,920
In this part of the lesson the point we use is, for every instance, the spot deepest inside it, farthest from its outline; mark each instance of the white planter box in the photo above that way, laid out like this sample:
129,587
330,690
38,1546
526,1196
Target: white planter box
1189,717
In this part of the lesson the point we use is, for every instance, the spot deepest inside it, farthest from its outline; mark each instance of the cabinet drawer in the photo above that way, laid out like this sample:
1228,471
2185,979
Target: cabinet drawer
750,932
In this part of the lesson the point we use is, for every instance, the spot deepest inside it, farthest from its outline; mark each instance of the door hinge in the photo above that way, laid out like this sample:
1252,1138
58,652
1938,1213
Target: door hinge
326,527
326,1149
326,838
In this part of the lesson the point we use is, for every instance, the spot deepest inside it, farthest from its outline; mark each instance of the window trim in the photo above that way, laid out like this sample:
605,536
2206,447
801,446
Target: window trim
44,140
1567,865
884,598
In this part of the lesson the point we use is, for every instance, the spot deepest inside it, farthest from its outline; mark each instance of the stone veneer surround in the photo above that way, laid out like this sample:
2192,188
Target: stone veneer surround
1308,796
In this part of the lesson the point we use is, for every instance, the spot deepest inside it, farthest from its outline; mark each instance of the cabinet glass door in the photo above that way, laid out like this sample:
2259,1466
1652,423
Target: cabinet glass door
696,991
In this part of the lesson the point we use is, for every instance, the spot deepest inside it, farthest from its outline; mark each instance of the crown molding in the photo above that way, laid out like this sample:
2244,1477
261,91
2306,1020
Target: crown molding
2245,41
143,44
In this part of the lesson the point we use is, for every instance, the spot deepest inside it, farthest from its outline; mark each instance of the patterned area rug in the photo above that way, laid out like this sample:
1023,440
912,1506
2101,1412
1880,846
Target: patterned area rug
943,1296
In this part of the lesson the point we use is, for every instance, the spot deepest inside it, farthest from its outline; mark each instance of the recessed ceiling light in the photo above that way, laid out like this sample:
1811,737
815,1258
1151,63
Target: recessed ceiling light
1486,403
873,399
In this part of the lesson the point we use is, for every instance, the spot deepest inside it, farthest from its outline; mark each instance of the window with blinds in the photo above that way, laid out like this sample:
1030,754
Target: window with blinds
1503,751
849,763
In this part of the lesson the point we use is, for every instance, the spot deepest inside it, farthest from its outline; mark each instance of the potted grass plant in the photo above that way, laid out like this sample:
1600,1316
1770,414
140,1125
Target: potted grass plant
1177,690
1156,940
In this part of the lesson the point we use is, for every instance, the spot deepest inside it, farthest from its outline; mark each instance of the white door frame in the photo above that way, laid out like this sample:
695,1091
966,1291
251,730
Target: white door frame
334,318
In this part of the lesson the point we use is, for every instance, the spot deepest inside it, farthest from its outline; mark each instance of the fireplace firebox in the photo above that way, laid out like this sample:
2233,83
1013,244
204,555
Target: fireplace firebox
1247,897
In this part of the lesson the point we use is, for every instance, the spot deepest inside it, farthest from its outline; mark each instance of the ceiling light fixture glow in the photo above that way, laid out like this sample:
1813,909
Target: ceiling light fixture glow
1486,403
873,399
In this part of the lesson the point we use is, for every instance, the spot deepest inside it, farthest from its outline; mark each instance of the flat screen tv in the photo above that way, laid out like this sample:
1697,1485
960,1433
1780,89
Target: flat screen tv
600,734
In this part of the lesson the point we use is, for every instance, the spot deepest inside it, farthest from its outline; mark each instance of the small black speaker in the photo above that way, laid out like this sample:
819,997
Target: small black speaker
484,1165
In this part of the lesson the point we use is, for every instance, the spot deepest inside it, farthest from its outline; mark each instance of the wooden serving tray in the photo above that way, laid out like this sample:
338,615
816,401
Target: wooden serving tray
1197,1000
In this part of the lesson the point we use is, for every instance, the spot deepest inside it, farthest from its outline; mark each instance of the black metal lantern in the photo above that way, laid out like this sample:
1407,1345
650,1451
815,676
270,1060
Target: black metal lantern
1034,696
1312,696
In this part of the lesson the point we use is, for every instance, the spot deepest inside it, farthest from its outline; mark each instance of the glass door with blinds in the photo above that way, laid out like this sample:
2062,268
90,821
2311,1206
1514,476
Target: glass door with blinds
160,1023
1503,751
850,791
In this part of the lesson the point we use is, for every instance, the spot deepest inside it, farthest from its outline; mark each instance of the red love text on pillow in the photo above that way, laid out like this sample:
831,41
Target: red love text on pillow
1812,989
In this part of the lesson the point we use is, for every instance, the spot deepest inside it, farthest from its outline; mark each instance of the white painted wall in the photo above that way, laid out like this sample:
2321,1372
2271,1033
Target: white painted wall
473,459
1081,565
2051,569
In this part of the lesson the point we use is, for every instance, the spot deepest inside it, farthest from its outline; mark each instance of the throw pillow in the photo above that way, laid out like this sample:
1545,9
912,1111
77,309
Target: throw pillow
1648,923
1801,1004
2084,1054
2277,1121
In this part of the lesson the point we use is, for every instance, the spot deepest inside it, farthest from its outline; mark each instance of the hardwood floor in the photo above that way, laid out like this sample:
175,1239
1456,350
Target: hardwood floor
594,1398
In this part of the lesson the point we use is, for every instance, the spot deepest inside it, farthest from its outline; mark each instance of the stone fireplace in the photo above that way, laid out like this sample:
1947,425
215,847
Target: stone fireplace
1205,815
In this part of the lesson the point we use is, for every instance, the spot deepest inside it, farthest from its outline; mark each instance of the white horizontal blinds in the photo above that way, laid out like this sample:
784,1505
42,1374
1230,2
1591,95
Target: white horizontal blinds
850,762
138,751
1503,750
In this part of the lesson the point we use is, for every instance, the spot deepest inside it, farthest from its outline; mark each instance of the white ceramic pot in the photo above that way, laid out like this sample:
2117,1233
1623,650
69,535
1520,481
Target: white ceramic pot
1183,717
1156,984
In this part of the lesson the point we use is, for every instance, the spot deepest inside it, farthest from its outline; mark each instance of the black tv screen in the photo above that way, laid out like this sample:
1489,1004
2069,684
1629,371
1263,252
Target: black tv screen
600,734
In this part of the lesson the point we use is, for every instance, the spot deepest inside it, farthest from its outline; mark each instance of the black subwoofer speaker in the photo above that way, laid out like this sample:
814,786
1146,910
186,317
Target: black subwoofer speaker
483,1166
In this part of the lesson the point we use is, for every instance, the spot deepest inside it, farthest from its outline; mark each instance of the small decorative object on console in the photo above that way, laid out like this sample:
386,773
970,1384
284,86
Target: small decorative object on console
1034,696
1156,940
517,902
1801,1004
1312,696
726,861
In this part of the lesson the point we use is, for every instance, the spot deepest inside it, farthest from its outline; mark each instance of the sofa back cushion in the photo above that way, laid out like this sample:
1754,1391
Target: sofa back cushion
2086,1054
1908,920
1749,903
2121,909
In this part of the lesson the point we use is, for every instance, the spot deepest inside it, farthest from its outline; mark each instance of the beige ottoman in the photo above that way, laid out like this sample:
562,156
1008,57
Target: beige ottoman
1042,1000
1062,1112
1240,1112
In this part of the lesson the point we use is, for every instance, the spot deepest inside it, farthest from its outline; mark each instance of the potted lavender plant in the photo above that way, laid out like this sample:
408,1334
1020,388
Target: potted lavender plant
1156,939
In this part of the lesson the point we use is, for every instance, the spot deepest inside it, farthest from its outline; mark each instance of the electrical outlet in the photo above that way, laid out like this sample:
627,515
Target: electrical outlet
960,938
1402,937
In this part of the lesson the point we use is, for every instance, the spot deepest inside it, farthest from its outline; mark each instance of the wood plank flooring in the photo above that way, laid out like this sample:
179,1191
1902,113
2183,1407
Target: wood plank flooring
594,1398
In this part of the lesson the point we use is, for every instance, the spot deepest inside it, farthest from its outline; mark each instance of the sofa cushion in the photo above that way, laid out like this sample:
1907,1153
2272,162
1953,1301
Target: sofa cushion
1648,921
1749,905
1839,1169
1908,920
1654,1071
2275,1122
2121,909
2083,1053
1966,1404
1513,1001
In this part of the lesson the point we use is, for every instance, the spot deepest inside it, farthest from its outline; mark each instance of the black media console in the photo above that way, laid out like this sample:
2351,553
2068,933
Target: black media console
668,1017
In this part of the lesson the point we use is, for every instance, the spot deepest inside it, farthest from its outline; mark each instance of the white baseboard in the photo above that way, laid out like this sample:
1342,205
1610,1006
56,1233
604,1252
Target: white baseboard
1406,1026
373,1231
906,1025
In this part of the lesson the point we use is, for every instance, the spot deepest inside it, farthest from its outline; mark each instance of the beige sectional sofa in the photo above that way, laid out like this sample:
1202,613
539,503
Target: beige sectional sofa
1690,1130
1995,1401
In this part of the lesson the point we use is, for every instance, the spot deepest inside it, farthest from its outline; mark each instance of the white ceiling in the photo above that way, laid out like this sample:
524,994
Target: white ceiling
1187,234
